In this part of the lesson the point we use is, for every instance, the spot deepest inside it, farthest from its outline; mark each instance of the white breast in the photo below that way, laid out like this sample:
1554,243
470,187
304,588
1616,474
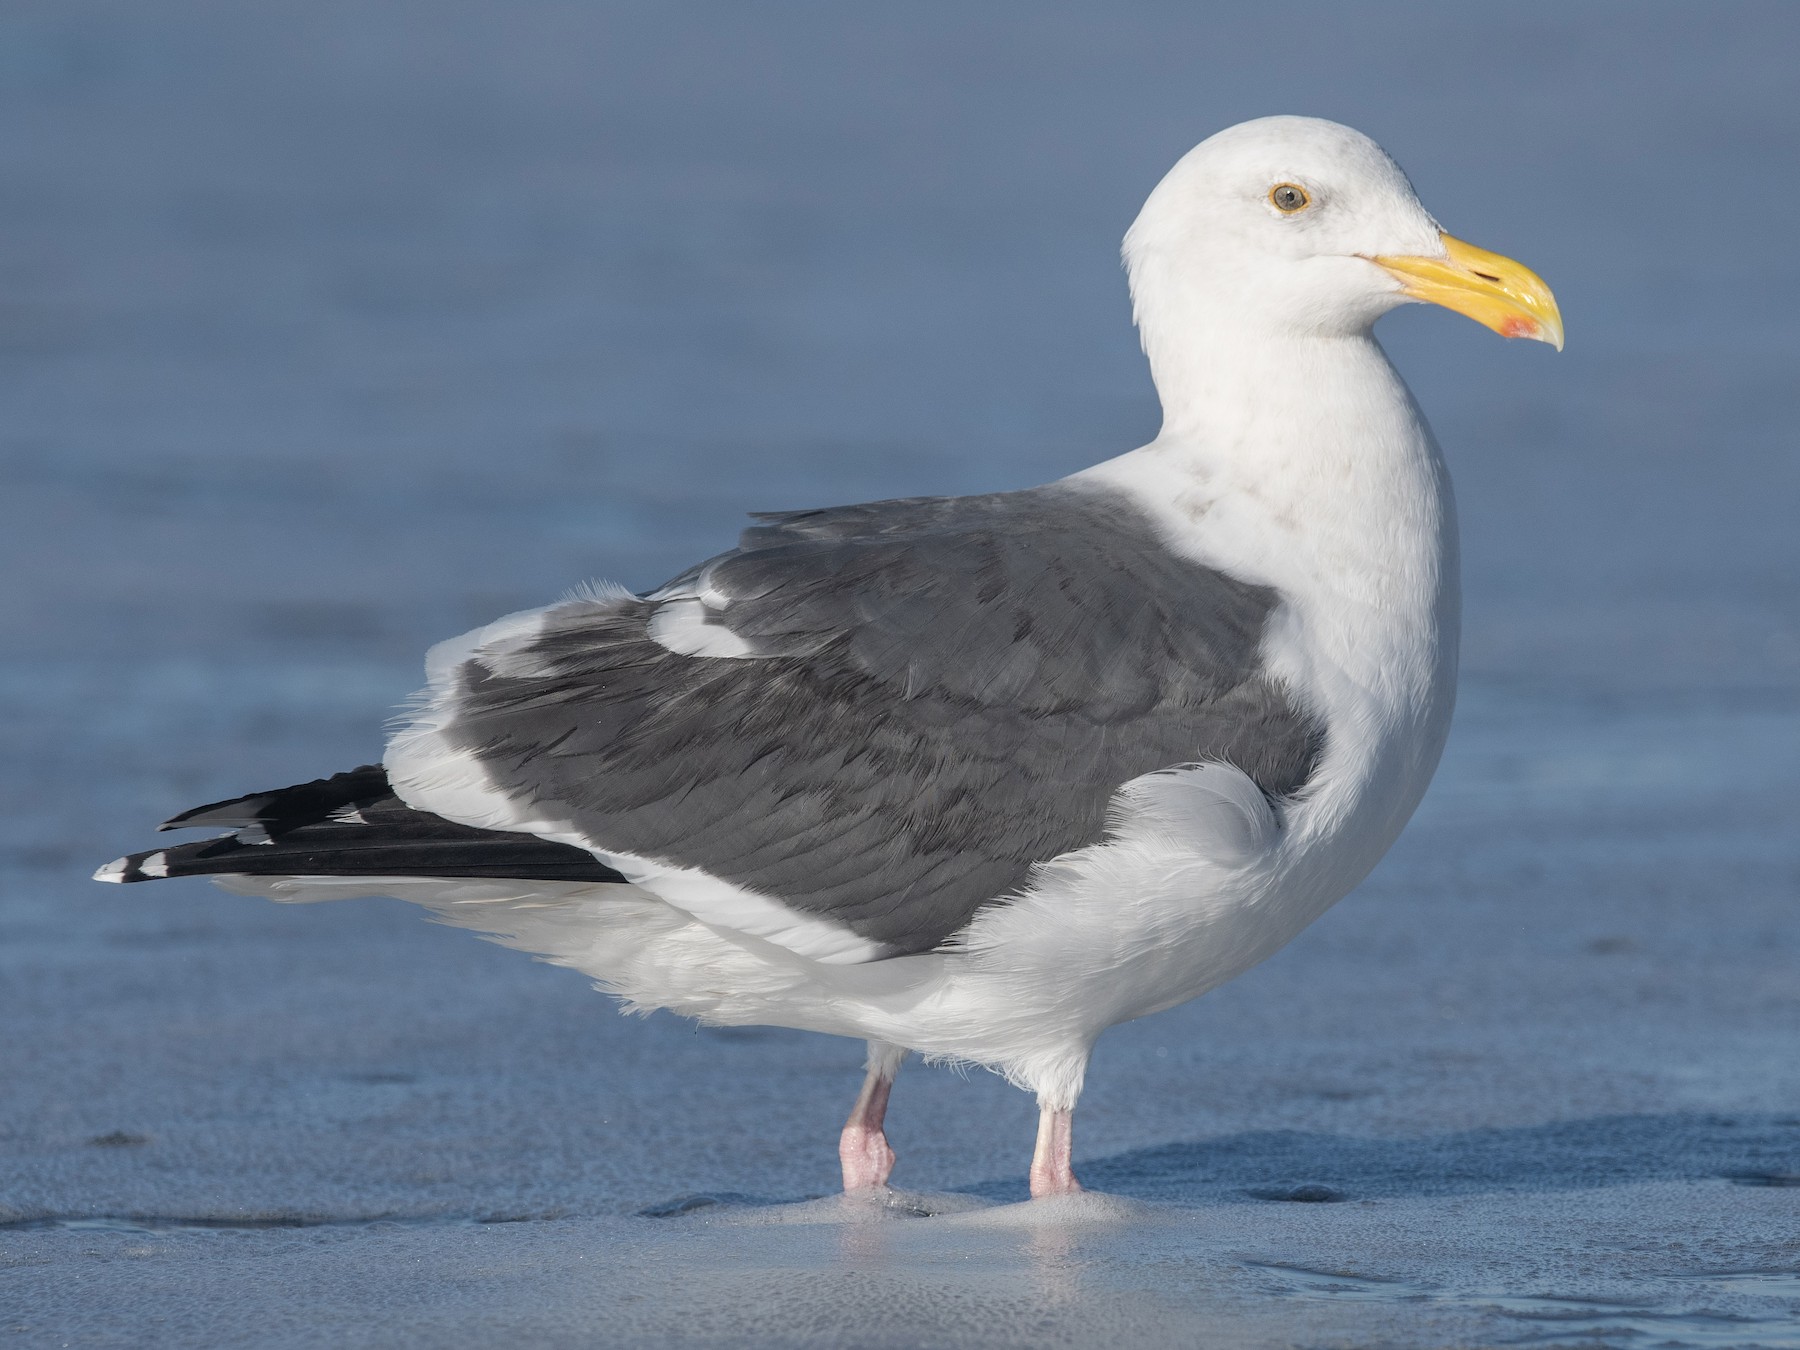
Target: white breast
1342,504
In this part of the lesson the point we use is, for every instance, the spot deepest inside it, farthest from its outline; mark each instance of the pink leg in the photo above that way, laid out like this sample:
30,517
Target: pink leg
1051,1173
863,1148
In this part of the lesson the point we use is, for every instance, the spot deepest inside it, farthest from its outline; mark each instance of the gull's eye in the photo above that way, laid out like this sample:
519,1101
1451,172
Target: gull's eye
1289,198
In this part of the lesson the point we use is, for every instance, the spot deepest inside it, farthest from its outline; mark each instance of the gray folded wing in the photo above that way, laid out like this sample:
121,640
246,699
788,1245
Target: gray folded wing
930,697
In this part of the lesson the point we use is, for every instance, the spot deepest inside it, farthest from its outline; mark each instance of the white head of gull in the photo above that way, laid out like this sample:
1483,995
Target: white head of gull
980,777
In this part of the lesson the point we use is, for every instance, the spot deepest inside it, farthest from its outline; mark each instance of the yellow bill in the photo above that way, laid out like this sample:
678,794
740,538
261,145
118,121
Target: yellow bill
1491,289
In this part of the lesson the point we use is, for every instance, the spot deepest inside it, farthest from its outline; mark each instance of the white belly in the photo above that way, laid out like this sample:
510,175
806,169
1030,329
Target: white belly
1175,904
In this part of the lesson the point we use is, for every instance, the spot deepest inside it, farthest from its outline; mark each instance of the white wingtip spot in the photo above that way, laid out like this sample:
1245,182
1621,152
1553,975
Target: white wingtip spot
156,865
113,871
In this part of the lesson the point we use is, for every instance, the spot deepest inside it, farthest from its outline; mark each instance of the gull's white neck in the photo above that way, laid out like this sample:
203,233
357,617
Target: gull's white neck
1314,443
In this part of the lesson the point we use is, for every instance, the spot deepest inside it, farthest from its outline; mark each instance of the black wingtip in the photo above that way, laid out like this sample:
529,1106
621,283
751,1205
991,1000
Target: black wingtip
302,804
350,824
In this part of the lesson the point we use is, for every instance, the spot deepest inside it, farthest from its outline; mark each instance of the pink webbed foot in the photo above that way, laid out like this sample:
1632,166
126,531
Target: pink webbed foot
863,1148
867,1158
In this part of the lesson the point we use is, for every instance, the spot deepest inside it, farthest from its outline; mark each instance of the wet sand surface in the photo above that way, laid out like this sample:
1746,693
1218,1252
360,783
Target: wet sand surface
326,332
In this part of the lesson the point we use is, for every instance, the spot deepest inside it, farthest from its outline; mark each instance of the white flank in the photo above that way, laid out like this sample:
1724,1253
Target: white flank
733,909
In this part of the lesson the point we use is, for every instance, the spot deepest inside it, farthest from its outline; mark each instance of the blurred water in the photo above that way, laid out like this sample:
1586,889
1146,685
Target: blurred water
329,330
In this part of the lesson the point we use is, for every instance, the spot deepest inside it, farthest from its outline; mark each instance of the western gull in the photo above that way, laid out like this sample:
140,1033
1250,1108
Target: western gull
980,777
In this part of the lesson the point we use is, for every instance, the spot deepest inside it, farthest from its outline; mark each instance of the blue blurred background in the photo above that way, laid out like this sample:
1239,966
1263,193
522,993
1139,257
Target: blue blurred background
331,329
335,327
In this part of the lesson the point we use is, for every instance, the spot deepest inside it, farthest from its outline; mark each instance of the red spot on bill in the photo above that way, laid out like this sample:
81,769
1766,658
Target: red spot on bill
1518,328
